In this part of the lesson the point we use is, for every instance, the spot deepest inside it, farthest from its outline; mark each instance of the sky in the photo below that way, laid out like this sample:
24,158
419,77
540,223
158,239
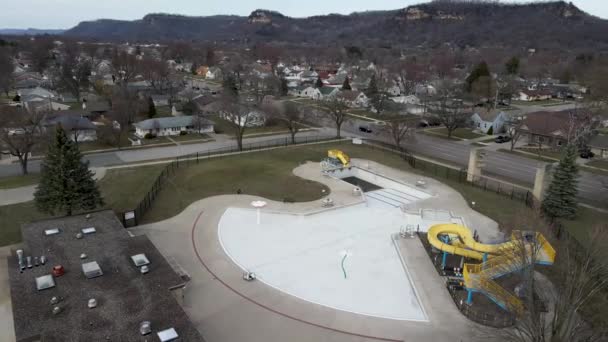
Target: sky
63,14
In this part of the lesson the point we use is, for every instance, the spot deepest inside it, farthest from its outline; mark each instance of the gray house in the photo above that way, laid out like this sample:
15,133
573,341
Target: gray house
168,126
484,120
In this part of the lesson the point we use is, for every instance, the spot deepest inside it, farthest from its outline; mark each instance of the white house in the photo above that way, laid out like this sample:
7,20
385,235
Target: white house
311,92
168,126
78,128
407,99
214,73
534,95
252,119
485,120
354,98
395,90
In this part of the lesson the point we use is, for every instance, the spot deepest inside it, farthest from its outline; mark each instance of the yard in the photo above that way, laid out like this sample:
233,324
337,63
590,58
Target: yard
122,190
19,181
225,127
544,103
457,134
600,164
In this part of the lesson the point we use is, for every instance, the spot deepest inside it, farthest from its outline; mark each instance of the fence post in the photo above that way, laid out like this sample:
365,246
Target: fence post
498,188
197,157
512,191
485,184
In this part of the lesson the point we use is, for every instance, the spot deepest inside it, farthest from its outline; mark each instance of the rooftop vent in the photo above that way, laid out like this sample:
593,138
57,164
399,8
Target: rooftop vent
58,271
91,269
92,303
167,335
140,260
89,230
144,269
45,282
145,328
51,231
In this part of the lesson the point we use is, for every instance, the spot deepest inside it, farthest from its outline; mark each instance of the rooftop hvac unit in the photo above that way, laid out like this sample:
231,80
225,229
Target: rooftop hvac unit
91,269
145,328
167,335
45,282
140,260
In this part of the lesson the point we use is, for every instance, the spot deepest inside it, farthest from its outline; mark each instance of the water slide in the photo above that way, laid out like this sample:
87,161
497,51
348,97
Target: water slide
462,242
458,240
341,156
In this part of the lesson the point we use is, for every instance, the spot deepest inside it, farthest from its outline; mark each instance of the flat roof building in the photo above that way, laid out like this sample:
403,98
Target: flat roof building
87,287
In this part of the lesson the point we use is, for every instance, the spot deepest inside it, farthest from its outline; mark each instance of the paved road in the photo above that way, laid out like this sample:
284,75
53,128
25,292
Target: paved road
518,169
136,155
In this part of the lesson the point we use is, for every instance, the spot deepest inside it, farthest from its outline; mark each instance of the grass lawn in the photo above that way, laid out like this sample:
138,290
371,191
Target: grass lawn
459,133
545,103
122,190
19,181
545,153
535,156
602,164
163,111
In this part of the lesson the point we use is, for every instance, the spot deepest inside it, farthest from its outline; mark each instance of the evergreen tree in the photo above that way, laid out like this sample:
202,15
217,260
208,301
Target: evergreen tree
284,88
346,84
512,66
481,70
151,108
229,85
372,88
66,183
560,199
319,83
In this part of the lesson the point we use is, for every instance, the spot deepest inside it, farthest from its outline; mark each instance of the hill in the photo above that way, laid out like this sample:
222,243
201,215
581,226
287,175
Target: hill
28,32
546,24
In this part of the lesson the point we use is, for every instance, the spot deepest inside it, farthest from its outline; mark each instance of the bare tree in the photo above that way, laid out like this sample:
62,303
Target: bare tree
290,114
238,116
20,132
125,107
74,74
199,122
580,274
157,73
400,130
335,109
448,109
125,65
6,70
513,132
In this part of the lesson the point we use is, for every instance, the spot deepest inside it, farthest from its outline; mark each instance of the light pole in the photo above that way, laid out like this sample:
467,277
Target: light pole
258,205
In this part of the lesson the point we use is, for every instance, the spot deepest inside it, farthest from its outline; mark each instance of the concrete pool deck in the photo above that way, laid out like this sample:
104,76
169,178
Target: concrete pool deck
226,308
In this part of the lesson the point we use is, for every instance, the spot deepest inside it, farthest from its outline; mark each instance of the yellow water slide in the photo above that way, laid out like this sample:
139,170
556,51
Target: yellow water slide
464,244
341,156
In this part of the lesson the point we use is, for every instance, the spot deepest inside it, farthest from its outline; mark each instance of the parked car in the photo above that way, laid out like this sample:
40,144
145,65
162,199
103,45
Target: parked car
365,129
587,154
502,139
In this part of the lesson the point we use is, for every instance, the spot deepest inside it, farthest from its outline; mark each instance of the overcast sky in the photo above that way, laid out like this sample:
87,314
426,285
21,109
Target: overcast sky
57,14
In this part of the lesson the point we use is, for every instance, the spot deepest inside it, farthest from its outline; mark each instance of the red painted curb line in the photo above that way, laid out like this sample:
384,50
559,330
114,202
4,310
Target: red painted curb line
200,259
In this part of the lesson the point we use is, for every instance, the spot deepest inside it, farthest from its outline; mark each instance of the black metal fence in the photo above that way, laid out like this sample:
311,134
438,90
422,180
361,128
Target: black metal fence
476,314
133,217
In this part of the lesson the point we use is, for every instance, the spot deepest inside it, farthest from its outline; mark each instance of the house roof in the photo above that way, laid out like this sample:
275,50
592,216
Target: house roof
546,123
125,297
349,95
70,122
599,141
489,116
168,122
98,106
327,90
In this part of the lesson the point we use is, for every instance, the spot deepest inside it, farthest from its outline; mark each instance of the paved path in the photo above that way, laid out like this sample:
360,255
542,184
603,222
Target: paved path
226,308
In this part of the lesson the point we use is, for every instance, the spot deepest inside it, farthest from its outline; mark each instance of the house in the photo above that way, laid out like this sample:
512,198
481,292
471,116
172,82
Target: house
534,95
328,92
202,70
169,126
547,128
407,99
251,119
308,76
160,100
100,297
78,128
354,98
485,120
425,90
214,73
312,93
38,91
394,90
598,144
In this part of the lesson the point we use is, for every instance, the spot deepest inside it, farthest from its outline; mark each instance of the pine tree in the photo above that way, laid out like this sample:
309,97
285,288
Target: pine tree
66,183
284,88
346,84
372,88
481,70
560,199
512,66
151,108
319,83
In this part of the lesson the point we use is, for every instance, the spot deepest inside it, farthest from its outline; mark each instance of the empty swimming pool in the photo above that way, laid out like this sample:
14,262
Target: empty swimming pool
343,259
